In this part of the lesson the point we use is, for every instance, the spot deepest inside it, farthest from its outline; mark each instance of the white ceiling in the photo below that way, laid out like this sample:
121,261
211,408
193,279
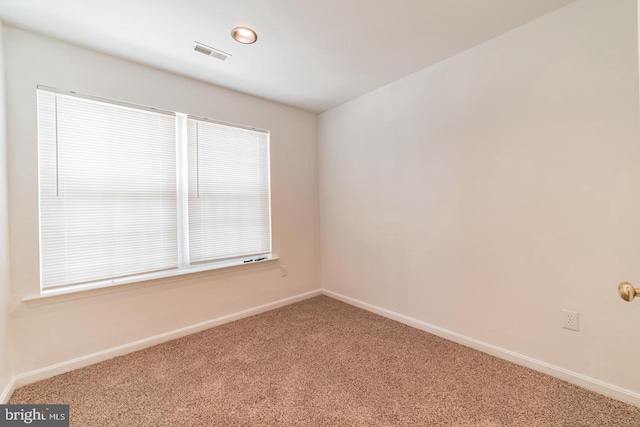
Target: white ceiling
313,55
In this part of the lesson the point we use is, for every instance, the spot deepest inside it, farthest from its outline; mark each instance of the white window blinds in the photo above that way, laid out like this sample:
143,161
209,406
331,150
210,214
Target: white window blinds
229,199
107,190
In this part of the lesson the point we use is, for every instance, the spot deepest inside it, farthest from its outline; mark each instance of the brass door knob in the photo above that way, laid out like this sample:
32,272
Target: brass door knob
627,291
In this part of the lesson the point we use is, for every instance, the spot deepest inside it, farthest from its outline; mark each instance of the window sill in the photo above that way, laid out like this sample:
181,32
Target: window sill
80,291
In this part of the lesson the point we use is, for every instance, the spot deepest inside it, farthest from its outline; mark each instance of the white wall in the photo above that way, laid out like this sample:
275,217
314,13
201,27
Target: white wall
5,289
56,330
489,191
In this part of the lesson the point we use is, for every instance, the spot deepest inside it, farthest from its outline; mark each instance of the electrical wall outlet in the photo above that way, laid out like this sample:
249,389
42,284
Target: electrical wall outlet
284,271
571,320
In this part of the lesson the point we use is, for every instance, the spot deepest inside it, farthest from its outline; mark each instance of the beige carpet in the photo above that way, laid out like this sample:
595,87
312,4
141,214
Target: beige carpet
320,363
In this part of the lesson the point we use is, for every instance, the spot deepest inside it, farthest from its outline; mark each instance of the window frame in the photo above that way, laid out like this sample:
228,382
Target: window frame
184,266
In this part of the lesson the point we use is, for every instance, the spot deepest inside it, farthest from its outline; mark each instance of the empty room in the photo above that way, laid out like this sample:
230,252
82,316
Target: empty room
341,213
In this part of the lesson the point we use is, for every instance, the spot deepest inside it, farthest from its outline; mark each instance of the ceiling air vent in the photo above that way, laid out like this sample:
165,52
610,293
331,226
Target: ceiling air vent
207,50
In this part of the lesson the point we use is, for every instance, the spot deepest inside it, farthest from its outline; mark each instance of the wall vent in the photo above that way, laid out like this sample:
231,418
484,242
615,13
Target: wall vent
208,50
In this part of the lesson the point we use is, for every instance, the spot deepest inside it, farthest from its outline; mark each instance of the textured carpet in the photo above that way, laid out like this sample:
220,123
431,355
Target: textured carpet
320,363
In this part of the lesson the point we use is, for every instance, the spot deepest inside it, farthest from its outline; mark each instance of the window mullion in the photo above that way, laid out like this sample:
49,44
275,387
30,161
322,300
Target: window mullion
182,182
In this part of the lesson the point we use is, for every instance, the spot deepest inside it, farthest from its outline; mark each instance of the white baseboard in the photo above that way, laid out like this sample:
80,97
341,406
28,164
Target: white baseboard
580,380
7,391
20,380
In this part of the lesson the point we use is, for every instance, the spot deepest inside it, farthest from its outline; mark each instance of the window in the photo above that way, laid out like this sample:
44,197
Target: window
228,192
128,192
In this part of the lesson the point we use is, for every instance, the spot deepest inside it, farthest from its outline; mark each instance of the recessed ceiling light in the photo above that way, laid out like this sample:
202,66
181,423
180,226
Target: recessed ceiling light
244,35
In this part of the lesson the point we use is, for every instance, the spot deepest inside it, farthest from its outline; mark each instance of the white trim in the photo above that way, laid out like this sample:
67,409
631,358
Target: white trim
572,377
223,123
8,391
80,362
133,280
104,100
182,190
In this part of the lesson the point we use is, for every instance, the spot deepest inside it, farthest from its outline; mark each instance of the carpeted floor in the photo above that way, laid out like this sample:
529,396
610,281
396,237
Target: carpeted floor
320,363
